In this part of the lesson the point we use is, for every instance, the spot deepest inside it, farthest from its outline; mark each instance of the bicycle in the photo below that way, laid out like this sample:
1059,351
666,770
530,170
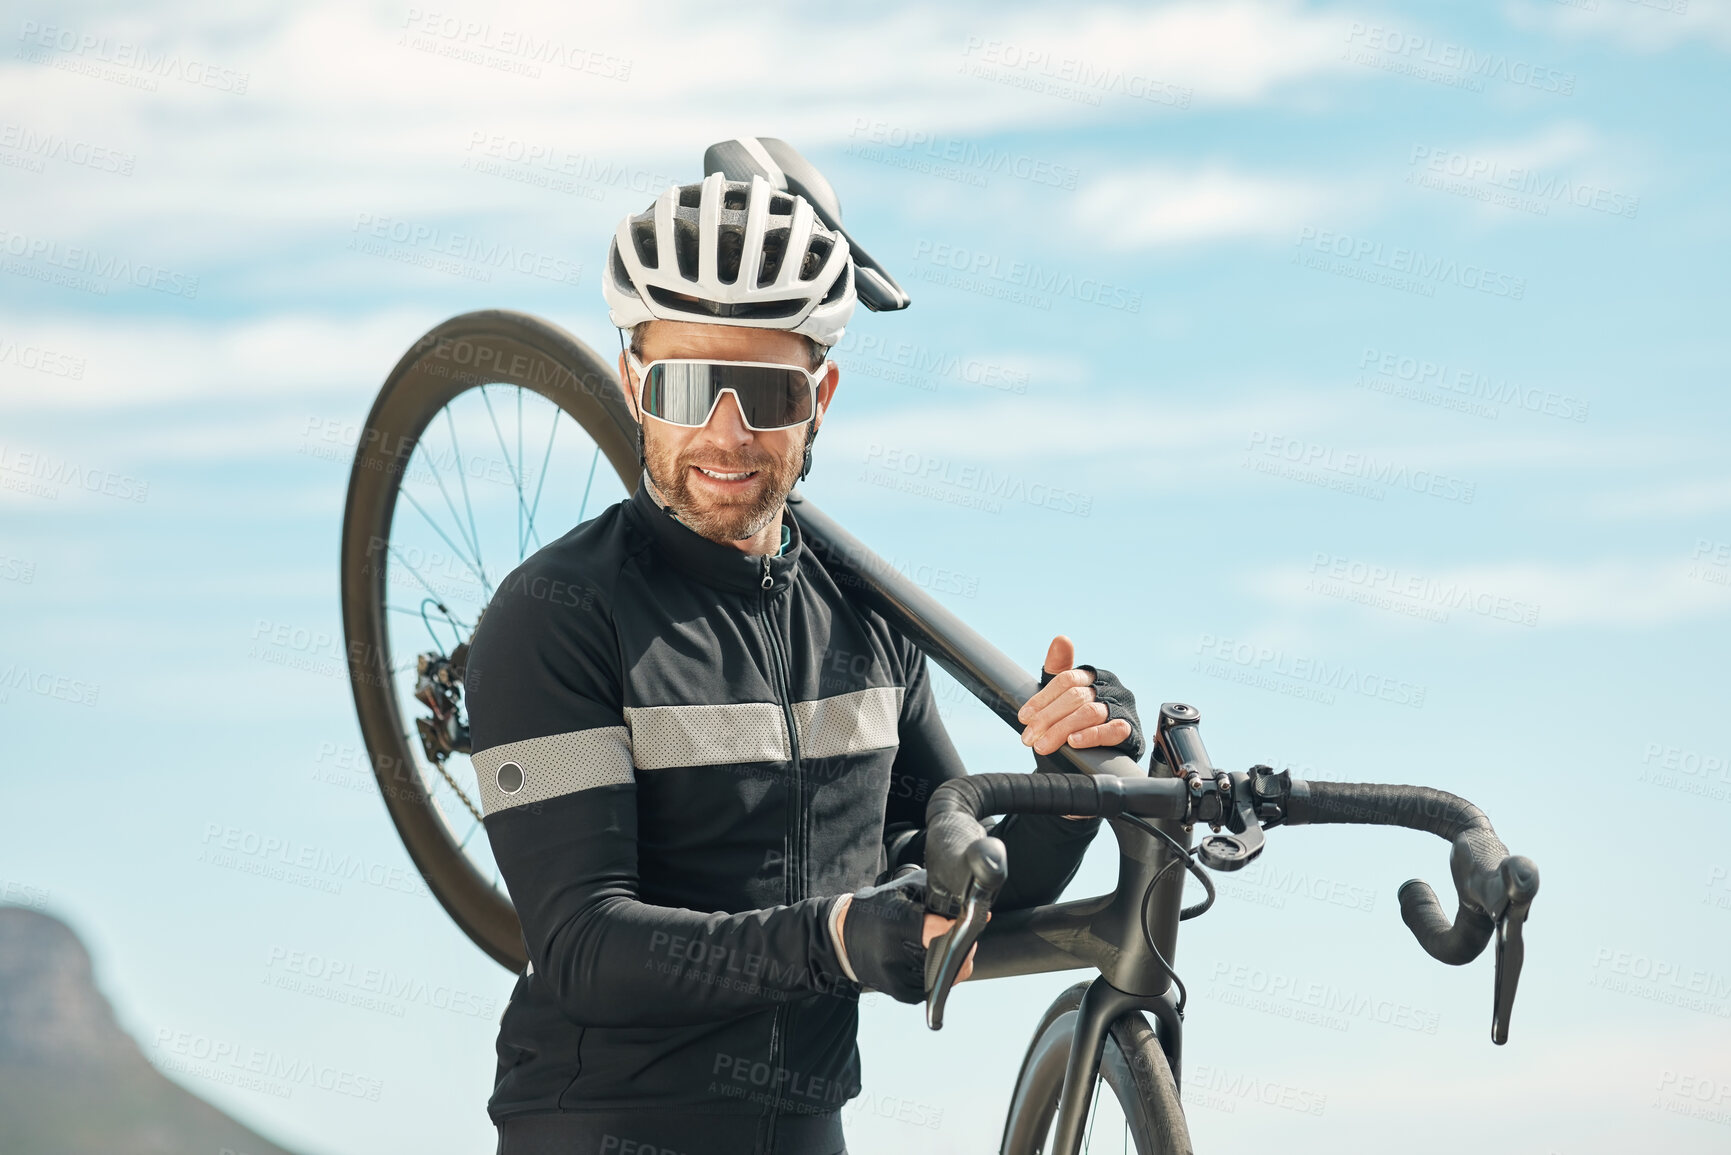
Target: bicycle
1094,1034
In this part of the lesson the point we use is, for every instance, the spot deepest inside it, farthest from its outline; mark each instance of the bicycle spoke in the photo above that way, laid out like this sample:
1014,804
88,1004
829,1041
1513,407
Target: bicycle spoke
463,480
1093,1113
584,508
520,509
541,482
433,468
447,540
522,506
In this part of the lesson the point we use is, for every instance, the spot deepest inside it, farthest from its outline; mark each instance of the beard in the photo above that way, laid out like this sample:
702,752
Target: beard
723,518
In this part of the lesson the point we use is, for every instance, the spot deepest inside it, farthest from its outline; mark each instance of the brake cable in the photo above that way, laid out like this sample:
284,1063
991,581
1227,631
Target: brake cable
1183,854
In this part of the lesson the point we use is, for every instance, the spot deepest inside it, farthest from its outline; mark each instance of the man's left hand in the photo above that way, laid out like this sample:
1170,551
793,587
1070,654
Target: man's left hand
1066,709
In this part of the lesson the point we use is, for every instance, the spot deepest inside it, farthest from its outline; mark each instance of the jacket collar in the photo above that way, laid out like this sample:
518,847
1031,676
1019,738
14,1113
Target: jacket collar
711,562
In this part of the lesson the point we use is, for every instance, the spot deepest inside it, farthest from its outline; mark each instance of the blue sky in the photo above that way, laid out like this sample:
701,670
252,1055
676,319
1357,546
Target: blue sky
1384,338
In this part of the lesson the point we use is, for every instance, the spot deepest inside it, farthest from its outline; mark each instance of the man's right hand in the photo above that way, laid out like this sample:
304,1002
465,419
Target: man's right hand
885,931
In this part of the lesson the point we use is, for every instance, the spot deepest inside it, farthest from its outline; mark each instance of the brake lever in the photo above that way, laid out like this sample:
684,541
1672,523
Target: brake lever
988,869
1520,878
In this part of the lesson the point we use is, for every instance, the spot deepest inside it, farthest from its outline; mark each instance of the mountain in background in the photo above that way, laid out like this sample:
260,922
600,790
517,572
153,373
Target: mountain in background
71,1081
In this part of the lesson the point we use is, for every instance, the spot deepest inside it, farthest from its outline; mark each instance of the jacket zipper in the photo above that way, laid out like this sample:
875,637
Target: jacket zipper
795,866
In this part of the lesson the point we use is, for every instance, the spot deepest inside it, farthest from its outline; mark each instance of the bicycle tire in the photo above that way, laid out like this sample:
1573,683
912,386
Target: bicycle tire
1132,1064
490,347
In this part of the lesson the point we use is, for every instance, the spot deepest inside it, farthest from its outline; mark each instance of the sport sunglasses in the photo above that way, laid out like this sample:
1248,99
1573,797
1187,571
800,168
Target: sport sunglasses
685,392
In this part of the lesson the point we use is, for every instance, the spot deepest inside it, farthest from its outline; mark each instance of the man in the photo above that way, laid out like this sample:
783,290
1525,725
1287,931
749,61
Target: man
700,785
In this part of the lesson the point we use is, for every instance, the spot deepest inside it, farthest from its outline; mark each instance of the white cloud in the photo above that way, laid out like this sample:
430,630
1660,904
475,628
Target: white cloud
346,108
1646,26
1616,592
1678,499
1164,205
128,362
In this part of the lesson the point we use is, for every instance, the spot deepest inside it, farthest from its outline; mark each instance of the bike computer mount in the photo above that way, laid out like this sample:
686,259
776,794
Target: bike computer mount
1215,798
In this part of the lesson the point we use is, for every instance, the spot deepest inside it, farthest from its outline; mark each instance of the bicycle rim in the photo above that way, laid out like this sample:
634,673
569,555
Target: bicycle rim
494,434
1133,1105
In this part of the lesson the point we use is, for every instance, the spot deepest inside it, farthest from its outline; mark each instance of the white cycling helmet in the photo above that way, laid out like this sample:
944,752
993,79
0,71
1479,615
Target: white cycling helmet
730,252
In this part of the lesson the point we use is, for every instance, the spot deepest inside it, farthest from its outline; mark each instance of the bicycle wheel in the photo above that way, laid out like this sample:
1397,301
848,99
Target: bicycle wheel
1142,1112
488,437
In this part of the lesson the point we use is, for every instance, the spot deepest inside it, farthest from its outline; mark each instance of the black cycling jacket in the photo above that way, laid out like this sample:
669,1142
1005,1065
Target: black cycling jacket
686,755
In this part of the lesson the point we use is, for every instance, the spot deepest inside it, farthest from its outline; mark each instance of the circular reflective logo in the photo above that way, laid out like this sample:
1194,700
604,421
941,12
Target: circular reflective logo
510,777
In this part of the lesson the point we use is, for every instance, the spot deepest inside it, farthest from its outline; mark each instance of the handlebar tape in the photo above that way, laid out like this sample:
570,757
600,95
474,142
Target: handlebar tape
953,819
1475,860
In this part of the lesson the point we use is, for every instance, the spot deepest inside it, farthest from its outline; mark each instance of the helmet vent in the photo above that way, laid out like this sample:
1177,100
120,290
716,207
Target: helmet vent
690,196
839,287
621,275
743,310
643,240
729,247
685,247
774,249
733,198
815,255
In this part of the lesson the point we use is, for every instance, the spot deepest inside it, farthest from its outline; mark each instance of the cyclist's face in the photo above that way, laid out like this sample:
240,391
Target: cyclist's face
683,462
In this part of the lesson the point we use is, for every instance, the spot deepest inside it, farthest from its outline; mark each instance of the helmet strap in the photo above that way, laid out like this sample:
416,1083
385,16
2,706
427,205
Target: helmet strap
811,436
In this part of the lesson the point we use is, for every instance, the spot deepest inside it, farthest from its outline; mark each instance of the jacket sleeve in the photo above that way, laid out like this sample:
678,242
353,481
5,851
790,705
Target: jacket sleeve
1045,850
554,763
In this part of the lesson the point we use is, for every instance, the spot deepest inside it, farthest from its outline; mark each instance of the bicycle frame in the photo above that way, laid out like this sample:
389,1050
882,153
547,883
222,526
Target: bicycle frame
1102,933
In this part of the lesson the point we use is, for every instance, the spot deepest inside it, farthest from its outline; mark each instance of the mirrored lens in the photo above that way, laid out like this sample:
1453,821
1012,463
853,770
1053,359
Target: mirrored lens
685,392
